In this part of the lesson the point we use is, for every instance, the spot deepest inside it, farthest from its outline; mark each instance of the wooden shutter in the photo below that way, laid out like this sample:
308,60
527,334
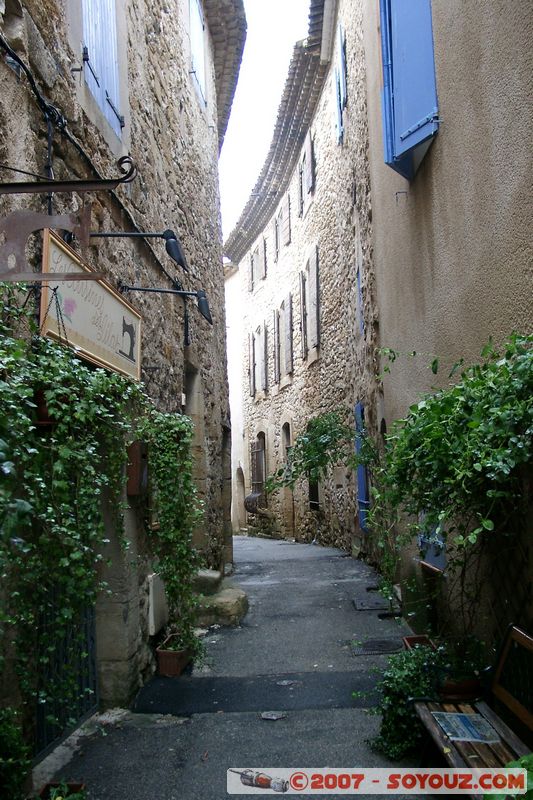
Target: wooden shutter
303,314
287,335
101,58
262,357
313,309
251,363
286,224
251,273
261,262
309,171
341,46
301,181
275,238
276,349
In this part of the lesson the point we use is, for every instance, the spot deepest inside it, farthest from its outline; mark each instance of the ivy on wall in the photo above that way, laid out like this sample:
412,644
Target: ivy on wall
64,429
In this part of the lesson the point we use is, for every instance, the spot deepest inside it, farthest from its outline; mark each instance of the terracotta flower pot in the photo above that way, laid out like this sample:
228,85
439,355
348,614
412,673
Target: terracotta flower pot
461,689
409,642
171,663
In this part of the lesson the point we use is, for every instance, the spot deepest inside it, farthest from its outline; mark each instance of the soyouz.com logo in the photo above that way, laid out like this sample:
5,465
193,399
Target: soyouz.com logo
355,780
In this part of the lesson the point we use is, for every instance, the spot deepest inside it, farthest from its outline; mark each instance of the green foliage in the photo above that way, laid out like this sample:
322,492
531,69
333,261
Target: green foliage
178,511
64,792
54,483
524,762
409,674
327,440
457,459
14,756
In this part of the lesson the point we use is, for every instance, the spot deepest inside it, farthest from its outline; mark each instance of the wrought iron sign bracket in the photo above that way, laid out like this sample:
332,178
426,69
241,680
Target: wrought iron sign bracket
125,165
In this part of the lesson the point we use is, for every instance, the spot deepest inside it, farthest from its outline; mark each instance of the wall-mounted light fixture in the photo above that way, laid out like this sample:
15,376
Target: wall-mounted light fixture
172,243
201,298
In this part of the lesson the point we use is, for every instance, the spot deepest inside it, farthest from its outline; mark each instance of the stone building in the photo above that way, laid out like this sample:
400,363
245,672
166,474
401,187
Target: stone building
392,212
303,252
154,81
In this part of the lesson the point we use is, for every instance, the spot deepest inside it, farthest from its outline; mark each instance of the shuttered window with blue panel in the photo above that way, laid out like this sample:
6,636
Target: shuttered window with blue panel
409,95
100,58
363,501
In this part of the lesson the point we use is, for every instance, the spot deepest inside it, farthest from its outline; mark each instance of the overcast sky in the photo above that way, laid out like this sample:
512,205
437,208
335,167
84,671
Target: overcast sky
273,28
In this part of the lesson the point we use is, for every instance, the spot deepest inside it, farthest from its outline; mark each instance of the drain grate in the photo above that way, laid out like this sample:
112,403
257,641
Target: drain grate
376,647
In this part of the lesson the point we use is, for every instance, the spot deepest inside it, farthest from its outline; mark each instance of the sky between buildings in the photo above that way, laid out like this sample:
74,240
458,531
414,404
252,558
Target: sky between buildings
273,28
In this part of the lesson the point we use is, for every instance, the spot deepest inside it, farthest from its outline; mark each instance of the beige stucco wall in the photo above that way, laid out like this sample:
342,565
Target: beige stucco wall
173,139
453,248
336,220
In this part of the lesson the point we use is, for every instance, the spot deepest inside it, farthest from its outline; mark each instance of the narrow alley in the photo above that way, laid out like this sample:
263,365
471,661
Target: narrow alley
301,651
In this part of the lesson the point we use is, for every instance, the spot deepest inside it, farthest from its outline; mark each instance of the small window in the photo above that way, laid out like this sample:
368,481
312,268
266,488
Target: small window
341,96
100,58
197,34
259,359
314,496
309,305
409,95
258,464
306,175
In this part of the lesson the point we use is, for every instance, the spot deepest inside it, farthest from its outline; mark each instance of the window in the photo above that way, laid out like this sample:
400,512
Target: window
283,359
409,95
257,265
363,502
309,305
100,58
197,34
258,463
258,360
340,84
284,222
275,237
306,175
314,496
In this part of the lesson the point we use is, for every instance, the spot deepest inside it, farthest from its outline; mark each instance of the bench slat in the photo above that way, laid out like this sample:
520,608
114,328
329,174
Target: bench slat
439,737
510,738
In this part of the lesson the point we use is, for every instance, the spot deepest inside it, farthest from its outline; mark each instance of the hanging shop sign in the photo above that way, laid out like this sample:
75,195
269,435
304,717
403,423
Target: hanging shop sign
89,316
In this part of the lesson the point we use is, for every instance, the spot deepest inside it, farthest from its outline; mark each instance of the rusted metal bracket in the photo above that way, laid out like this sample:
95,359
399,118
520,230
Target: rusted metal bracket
14,231
125,165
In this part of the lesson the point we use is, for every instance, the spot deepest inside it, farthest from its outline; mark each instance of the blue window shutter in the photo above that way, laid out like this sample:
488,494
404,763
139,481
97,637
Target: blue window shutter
409,96
363,502
414,88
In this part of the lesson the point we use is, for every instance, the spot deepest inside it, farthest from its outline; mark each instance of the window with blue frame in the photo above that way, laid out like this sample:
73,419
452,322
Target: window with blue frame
409,95
100,58
363,500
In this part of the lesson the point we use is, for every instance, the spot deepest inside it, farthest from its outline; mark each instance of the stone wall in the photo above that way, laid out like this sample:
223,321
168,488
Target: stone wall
173,138
340,372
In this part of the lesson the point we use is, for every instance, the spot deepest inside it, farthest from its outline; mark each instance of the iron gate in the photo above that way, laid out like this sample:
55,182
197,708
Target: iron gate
66,678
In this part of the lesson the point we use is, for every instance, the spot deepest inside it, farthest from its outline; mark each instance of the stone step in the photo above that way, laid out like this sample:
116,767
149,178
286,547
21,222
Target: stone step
207,581
227,607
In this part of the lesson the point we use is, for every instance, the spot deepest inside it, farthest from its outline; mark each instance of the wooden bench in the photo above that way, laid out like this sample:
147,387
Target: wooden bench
512,685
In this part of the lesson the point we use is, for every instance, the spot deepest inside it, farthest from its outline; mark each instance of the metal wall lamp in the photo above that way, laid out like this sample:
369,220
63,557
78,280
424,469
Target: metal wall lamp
201,298
172,243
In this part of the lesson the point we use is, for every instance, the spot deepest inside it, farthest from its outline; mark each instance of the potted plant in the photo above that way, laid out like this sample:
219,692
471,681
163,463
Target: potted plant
417,640
461,672
173,655
63,790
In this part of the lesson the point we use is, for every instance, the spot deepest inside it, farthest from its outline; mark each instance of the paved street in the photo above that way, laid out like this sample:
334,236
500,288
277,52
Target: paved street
302,649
